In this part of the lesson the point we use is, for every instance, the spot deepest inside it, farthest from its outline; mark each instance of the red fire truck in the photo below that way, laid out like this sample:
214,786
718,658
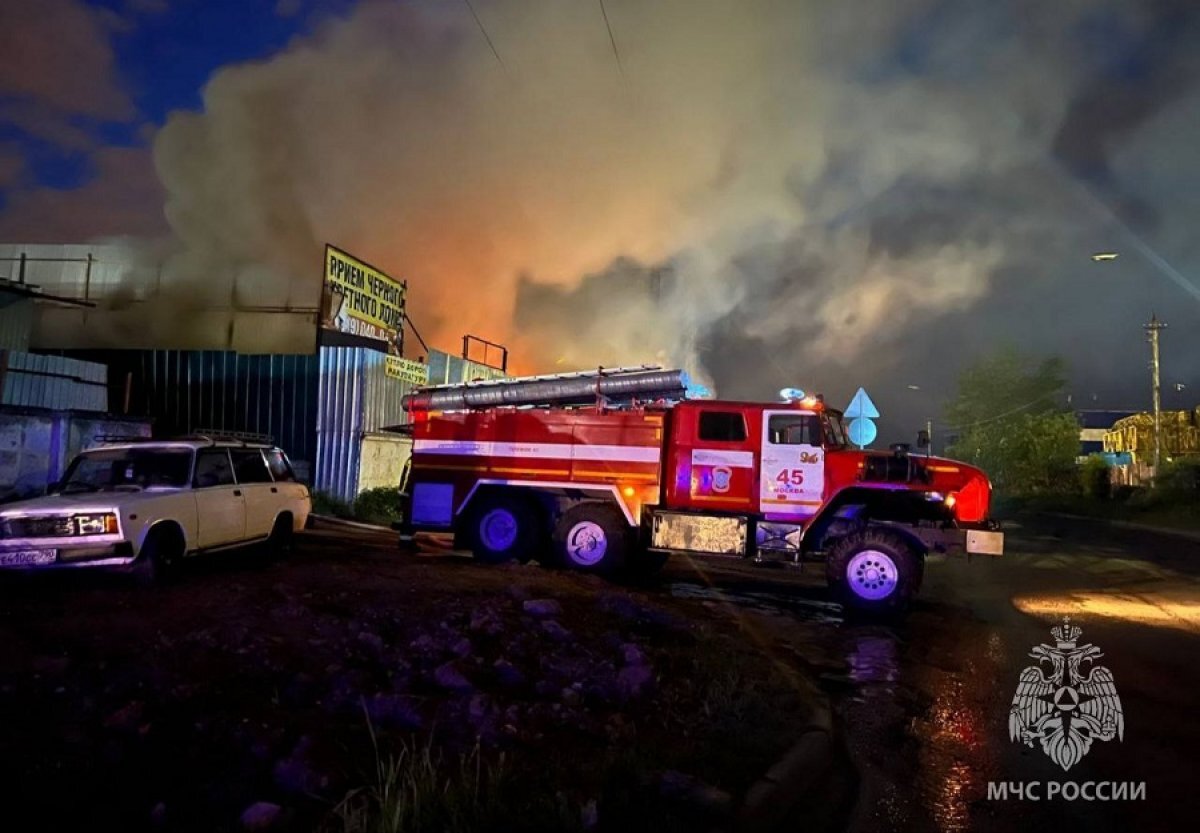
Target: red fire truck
611,470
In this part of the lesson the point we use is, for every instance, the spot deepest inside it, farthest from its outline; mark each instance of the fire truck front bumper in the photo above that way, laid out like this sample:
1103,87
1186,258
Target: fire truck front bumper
981,539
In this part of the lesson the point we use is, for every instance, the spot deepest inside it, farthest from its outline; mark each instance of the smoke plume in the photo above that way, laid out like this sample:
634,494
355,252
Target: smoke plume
768,192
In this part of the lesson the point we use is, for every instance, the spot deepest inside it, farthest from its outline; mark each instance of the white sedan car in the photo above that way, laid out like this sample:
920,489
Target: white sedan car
146,505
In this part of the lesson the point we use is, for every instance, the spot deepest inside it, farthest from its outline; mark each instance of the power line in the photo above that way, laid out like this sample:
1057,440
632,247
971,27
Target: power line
1009,412
486,36
612,40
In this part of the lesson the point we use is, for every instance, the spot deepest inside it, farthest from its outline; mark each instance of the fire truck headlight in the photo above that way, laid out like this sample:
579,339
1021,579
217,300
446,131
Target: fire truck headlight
950,501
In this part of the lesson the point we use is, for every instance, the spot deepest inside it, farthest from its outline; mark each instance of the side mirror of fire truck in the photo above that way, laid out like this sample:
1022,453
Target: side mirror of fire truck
922,439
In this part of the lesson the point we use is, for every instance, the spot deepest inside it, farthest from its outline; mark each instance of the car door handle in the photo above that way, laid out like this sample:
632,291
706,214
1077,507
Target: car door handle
237,492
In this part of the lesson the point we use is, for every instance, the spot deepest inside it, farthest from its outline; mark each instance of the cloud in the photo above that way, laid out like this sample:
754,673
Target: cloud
12,165
770,193
57,54
46,124
288,8
123,197
148,6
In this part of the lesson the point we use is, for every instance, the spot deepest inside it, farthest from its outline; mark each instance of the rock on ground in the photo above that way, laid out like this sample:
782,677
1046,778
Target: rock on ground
450,678
542,608
635,681
555,631
261,815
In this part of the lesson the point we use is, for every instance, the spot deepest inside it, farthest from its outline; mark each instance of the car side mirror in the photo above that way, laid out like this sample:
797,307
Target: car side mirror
922,439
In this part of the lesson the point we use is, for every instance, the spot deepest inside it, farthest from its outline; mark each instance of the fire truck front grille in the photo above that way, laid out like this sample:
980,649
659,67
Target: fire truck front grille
894,468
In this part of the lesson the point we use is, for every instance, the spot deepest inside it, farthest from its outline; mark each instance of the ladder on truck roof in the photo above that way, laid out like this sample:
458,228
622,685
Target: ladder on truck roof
579,374
608,386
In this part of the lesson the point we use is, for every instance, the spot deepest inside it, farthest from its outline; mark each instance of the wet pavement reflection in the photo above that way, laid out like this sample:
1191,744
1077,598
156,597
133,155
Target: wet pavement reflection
923,703
770,603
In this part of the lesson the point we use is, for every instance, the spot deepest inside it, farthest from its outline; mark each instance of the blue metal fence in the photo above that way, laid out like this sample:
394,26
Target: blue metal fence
356,398
55,382
317,407
188,391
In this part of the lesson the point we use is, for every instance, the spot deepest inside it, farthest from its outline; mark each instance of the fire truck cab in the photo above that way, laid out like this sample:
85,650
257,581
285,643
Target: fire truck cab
558,469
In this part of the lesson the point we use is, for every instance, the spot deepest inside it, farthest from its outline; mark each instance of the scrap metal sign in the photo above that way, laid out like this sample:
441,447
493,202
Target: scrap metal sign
362,301
406,370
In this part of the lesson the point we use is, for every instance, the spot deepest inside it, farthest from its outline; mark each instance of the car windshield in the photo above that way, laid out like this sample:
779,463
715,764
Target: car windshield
128,468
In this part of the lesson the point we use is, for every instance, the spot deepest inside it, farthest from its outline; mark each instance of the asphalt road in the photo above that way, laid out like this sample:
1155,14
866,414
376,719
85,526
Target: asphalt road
924,704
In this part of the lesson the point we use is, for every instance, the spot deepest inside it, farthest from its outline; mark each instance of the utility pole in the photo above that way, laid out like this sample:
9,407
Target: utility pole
1152,336
929,431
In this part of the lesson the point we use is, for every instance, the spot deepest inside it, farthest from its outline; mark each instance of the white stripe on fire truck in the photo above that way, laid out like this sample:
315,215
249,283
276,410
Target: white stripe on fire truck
540,451
733,459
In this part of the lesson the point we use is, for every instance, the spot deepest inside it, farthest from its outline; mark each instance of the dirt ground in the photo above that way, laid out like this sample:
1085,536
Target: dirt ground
248,695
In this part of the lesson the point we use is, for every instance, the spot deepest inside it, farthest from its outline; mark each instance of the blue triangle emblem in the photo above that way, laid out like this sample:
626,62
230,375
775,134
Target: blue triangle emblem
862,406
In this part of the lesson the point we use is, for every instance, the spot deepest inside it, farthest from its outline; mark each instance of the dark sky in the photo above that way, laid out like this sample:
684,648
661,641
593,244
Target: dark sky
802,193
86,83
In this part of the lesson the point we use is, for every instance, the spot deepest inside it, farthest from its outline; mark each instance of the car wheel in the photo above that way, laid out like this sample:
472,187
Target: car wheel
592,538
502,528
874,571
160,556
282,539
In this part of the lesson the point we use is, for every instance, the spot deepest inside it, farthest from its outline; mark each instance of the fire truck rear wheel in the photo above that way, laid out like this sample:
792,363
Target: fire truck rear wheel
874,571
593,538
502,528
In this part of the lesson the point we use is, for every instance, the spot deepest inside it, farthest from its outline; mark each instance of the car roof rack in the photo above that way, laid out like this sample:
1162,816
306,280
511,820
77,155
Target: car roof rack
214,436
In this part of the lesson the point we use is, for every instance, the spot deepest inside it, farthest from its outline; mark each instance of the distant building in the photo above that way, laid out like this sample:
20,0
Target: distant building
1132,440
1092,426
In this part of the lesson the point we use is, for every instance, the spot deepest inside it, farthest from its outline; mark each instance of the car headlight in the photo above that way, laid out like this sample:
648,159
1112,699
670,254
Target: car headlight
104,524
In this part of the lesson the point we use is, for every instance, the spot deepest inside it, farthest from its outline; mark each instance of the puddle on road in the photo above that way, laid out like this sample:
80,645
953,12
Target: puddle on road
874,661
944,716
776,604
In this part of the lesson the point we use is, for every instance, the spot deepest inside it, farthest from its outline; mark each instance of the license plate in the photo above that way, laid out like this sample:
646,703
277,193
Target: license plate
24,558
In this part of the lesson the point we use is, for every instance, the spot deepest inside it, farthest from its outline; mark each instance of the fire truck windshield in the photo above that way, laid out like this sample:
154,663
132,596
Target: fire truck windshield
835,430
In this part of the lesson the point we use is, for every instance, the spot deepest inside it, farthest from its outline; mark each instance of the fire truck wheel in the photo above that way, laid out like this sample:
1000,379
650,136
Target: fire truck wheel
501,529
874,571
592,537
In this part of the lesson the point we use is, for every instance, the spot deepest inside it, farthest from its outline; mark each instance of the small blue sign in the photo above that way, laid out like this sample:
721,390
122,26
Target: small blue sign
862,406
862,432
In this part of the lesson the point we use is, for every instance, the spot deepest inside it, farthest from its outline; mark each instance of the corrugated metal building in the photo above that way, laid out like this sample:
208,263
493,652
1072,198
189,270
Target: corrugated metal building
233,354
1133,439
51,408
54,382
16,322
1092,426
327,410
